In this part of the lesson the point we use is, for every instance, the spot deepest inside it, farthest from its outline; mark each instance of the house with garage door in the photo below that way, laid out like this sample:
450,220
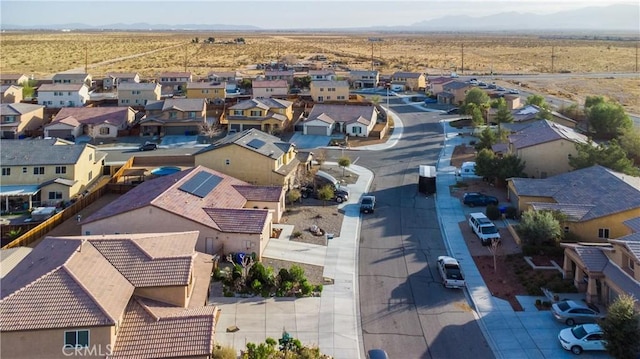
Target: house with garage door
113,296
63,95
20,119
265,114
230,215
364,78
174,117
352,120
95,122
255,157
412,81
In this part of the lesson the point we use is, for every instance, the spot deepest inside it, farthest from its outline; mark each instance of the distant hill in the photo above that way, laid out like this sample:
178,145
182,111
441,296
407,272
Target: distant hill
136,27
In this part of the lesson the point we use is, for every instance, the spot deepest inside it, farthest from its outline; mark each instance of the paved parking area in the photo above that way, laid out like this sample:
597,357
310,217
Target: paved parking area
309,141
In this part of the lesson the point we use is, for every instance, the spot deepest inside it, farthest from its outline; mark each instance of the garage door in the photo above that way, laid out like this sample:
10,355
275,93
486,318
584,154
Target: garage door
9,135
246,127
316,130
59,133
181,130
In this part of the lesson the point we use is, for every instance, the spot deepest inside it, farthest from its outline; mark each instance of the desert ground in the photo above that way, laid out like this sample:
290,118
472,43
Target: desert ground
42,54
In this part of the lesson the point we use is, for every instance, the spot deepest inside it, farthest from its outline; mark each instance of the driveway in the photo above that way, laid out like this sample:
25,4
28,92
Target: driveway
309,141
179,141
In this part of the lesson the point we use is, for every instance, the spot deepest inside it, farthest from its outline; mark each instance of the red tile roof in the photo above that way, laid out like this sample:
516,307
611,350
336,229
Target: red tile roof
238,220
260,193
95,115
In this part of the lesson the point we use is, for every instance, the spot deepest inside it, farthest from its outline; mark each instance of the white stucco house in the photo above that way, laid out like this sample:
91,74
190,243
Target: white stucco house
63,95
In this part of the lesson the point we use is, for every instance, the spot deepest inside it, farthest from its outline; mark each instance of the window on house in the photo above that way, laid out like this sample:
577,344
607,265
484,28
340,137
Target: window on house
68,93
61,103
237,112
631,265
6,171
320,98
356,129
340,97
227,162
91,157
24,169
321,89
255,113
192,114
9,119
55,195
173,114
38,170
603,233
61,169
104,130
76,339
90,177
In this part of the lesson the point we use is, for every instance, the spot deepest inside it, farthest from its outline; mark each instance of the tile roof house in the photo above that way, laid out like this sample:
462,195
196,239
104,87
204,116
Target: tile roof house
596,200
138,94
322,75
174,117
266,114
435,84
453,92
269,88
322,91
286,75
207,90
364,78
10,93
63,95
96,122
254,157
174,83
523,116
19,119
47,171
114,79
231,215
413,81
73,78
230,78
545,147
123,295
13,79
354,120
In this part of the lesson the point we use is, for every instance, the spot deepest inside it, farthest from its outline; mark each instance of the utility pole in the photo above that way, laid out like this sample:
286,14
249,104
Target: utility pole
553,58
86,58
636,56
462,69
372,40
185,57
371,55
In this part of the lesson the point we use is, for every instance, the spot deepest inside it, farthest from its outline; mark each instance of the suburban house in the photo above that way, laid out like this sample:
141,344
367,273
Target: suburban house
174,117
13,79
453,93
73,78
254,157
138,94
95,122
63,95
11,93
435,84
413,81
322,75
114,79
596,200
174,82
207,90
364,79
264,114
47,171
230,78
606,271
230,215
545,147
115,296
322,91
353,120
269,88
18,119
525,115
286,75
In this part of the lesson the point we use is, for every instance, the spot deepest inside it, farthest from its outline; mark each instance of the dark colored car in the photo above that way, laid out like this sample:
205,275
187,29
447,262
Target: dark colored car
367,204
148,146
453,111
472,199
377,354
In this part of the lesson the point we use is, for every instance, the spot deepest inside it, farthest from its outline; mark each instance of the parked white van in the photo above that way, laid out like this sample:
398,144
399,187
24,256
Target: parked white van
483,228
468,170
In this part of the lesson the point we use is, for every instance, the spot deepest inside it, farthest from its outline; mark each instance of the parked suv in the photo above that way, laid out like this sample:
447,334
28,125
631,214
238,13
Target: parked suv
148,146
483,228
367,204
472,199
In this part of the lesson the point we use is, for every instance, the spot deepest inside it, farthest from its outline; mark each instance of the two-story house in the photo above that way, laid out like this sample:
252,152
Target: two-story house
95,122
174,117
47,171
265,114
231,78
18,119
286,75
109,295
353,120
207,90
11,93
322,91
73,78
364,78
267,88
231,215
253,156
435,84
322,75
114,79
138,94
453,93
63,95
13,79
413,81
174,83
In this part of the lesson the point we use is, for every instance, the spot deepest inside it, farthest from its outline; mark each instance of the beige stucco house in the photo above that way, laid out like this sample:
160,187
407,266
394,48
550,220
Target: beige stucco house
18,119
230,215
116,296
413,81
207,90
435,84
453,93
596,200
174,117
350,119
114,79
13,79
266,88
138,94
95,122
254,157
322,91
47,171
174,83
286,75
73,78
364,78
266,114
11,93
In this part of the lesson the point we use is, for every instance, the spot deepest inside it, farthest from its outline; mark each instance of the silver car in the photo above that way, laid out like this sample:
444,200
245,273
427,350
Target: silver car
572,313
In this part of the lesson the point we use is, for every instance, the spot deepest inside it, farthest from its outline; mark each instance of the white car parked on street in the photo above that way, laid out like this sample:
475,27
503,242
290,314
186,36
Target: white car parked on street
582,337
450,272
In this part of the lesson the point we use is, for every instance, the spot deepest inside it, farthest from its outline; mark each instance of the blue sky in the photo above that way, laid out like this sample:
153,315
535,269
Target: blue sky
268,14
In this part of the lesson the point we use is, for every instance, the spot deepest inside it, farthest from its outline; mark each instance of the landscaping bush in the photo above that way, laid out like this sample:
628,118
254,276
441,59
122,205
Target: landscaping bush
511,212
220,352
297,273
297,234
570,237
493,212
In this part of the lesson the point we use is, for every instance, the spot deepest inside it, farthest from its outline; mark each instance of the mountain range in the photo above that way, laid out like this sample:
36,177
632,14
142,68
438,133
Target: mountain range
619,17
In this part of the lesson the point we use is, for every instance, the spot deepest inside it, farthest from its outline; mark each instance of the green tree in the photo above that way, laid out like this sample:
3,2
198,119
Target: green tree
293,196
497,102
591,101
630,142
539,227
486,164
607,119
326,193
476,116
573,111
610,155
344,162
537,100
245,84
487,139
29,88
621,328
477,97
503,115
266,350
211,40
500,168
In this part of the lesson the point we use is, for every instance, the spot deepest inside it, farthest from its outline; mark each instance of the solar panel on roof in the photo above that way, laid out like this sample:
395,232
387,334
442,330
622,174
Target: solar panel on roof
256,143
201,184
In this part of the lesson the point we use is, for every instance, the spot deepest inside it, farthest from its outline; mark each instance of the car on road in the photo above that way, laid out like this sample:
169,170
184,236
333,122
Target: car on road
571,312
492,86
377,354
453,111
473,199
148,146
500,88
582,337
482,84
367,204
514,91
450,272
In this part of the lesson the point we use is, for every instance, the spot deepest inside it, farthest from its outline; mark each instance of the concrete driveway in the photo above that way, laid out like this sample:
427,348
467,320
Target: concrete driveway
309,141
179,141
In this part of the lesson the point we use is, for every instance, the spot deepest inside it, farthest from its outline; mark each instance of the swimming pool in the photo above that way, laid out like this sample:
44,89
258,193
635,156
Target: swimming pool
165,170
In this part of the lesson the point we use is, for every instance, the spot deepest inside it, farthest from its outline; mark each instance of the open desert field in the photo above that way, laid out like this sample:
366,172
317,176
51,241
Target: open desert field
43,53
